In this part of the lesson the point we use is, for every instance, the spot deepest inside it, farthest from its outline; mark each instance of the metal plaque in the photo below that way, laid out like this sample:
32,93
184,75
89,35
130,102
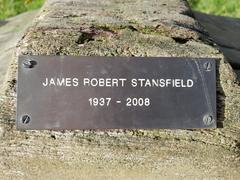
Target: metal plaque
67,92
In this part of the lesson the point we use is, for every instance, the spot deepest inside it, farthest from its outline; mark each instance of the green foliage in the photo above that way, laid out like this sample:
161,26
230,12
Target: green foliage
10,8
217,7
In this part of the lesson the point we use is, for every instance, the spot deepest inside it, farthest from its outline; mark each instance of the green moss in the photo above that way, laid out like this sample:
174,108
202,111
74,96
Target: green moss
149,30
154,31
133,21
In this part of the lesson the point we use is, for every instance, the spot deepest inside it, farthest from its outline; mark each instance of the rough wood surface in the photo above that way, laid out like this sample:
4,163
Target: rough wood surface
121,28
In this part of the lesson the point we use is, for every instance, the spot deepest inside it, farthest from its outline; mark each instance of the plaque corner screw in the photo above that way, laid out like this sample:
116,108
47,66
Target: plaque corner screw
208,120
29,63
207,66
25,119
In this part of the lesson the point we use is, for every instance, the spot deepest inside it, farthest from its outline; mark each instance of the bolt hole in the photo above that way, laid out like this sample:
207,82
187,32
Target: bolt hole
180,40
53,136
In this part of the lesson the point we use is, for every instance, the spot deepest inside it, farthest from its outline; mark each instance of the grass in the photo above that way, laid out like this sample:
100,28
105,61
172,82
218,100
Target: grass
10,8
231,8
217,7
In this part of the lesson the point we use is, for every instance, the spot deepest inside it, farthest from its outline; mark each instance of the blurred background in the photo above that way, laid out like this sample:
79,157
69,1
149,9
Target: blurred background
217,7
230,8
9,8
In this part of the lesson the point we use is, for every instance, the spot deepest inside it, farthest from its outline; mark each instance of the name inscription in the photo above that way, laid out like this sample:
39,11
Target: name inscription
118,82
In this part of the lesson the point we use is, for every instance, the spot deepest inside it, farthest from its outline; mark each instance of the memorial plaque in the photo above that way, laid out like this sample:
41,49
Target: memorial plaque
67,92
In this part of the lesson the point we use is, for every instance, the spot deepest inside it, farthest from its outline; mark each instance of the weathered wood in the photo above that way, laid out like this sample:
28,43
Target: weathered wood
121,28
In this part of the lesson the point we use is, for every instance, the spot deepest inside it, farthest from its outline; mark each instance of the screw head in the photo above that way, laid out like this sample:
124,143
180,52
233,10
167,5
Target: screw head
207,66
25,119
28,63
208,120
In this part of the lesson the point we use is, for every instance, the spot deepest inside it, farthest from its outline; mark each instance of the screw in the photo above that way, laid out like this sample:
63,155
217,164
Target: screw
208,120
29,63
207,66
26,119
